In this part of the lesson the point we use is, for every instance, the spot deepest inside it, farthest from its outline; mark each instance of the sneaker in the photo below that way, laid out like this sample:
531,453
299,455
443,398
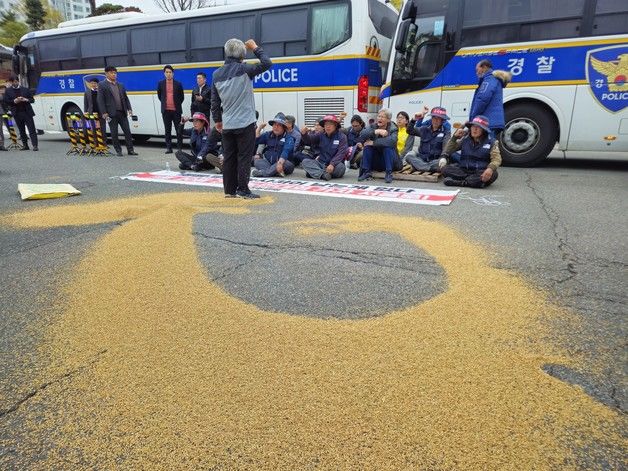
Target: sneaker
25,148
132,152
247,195
35,148
365,176
448,181
326,176
168,151
119,153
257,173
388,178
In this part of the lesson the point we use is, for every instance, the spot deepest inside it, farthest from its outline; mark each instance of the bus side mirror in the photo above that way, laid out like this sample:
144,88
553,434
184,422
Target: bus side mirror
400,44
409,11
428,59
15,63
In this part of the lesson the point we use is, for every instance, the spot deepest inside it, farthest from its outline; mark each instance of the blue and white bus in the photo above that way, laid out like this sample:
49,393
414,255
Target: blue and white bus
326,56
568,58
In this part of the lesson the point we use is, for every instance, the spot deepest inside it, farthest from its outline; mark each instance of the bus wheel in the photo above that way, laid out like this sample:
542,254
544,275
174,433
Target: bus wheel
529,135
140,139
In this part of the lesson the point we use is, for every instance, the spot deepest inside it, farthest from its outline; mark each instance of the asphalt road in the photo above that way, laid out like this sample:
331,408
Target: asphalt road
562,226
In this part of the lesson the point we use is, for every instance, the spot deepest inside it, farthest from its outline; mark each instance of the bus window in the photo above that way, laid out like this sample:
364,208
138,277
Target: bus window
383,18
208,37
500,21
101,49
288,40
158,44
58,48
330,26
611,17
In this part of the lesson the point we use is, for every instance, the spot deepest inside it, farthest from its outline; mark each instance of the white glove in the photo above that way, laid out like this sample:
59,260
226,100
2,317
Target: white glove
442,162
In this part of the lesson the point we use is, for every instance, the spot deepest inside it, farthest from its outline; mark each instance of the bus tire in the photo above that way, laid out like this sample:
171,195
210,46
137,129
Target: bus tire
140,139
529,136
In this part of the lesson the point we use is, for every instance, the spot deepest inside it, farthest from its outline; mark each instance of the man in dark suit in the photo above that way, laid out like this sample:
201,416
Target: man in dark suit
170,93
18,100
90,102
201,96
115,106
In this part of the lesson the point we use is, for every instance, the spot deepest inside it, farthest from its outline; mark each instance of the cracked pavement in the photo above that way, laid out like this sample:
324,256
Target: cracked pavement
563,226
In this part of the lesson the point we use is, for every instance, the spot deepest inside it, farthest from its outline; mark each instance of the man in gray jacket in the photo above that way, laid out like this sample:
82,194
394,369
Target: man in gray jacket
233,111
380,148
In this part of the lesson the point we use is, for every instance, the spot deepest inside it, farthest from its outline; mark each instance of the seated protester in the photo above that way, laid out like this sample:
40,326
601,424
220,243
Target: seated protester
380,148
433,137
405,139
201,144
356,135
307,151
293,131
278,145
419,120
479,156
333,147
214,156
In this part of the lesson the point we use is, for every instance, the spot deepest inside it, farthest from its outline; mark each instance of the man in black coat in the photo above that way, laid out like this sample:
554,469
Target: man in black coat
18,100
170,94
201,96
90,102
115,106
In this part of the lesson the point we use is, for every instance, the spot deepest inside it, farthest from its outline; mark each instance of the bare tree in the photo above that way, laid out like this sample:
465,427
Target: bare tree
180,5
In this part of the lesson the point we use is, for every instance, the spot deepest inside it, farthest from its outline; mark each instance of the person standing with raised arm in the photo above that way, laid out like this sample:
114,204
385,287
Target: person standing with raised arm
233,111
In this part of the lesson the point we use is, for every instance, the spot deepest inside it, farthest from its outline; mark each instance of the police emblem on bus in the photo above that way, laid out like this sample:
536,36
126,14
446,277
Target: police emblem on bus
607,74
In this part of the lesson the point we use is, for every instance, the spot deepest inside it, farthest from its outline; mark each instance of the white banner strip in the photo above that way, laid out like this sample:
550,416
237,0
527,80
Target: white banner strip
304,187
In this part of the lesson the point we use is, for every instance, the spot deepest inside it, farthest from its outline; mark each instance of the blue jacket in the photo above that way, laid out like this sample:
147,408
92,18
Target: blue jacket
488,99
200,142
431,146
332,148
277,147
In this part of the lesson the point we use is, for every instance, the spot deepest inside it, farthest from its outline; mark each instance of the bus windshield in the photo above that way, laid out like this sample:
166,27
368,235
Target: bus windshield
419,44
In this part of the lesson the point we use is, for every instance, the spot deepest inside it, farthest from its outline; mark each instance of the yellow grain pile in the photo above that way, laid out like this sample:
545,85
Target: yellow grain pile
201,379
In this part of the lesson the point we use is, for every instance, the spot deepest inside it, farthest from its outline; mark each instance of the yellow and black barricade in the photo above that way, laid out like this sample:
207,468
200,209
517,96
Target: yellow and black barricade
79,128
89,130
10,123
101,144
69,124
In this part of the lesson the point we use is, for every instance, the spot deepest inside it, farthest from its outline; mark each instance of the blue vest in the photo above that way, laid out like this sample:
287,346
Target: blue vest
476,156
328,146
274,146
431,142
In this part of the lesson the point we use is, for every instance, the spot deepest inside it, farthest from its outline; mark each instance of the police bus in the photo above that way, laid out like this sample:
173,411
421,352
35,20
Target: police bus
326,56
568,59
